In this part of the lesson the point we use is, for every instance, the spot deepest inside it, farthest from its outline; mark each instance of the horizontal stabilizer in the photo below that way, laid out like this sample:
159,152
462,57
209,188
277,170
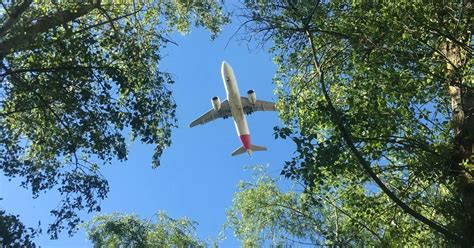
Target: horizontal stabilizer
256,148
239,151
253,148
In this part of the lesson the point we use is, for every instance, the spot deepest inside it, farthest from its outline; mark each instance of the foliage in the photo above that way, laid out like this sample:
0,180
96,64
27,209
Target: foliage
76,78
120,230
363,91
262,213
13,233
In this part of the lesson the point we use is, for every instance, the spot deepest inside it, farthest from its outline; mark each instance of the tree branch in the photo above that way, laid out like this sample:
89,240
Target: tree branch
315,197
14,16
44,24
50,69
46,103
7,113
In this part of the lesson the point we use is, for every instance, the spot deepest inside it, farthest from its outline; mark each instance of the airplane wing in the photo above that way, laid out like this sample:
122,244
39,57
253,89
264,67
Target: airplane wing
258,106
213,114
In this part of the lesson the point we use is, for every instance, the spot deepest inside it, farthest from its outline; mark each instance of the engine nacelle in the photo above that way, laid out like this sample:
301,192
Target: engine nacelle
252,97
216,103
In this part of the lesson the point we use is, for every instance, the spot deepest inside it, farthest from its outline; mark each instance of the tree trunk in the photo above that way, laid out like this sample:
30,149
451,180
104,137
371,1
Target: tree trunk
462,104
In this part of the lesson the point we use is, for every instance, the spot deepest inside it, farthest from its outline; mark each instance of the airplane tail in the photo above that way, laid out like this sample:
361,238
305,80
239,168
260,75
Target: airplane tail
242,149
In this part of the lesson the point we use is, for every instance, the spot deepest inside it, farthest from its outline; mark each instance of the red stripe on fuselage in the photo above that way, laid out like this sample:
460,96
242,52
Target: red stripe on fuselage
245,138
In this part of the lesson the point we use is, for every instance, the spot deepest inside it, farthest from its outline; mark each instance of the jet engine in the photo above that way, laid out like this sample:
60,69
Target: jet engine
252,97
216,103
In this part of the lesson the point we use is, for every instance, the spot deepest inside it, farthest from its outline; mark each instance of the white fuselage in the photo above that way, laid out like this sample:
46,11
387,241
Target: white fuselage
233,96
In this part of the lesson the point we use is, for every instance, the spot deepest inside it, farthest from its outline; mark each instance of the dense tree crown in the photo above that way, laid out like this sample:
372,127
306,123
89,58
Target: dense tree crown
263,214
378,97
120,230
77,79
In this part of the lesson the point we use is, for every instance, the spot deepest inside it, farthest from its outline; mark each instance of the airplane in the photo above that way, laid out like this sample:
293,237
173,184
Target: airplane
235,106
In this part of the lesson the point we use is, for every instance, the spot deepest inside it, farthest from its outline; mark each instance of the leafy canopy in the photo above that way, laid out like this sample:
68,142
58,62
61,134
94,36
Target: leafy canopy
363,91
13,233
79,79
264,213
120,230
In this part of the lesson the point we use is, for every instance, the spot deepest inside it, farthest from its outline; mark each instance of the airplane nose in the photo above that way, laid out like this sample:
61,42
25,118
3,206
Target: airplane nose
225,68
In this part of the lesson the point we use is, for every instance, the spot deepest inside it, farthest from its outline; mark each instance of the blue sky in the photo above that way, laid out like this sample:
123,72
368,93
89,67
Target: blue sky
197,177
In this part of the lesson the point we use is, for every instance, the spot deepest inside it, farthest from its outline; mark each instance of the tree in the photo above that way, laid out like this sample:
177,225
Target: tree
262,214
13,233
120,230
76,78
378,98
